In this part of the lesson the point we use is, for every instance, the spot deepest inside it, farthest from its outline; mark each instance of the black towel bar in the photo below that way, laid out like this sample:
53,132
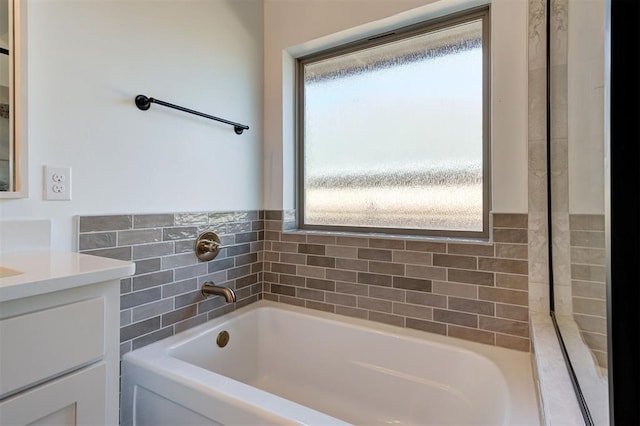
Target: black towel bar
143,103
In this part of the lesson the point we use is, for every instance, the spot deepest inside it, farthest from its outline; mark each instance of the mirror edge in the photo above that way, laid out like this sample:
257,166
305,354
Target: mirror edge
20,156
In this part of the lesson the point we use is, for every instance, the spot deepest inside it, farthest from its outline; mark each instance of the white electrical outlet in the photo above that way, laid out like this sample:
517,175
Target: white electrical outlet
57,183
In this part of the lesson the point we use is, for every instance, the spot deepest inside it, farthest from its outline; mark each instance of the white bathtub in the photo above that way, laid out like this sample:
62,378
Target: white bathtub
286,365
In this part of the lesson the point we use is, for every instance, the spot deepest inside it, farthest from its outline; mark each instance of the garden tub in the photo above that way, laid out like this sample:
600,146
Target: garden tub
287,365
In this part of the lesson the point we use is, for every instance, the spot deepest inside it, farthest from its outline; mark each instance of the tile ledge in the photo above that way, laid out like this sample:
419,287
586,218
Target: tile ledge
411,237
559,405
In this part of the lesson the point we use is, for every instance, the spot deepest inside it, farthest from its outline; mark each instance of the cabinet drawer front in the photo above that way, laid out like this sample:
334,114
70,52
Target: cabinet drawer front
44,344
76,399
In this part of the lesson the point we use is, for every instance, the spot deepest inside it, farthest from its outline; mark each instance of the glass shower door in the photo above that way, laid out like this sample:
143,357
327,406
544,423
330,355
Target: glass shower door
577,193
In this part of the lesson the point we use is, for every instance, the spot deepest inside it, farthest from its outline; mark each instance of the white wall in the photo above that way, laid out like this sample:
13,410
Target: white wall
87,62
295,27
585,93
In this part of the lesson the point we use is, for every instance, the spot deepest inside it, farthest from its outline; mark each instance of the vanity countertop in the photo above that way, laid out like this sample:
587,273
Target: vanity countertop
24,274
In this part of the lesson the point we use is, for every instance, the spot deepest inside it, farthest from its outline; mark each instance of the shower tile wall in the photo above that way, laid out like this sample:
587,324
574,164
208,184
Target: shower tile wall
476,292
471,291
163,296
588,282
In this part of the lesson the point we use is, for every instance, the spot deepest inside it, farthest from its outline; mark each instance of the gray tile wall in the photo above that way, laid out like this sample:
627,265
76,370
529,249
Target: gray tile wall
476,291
472,291
163,296
588,282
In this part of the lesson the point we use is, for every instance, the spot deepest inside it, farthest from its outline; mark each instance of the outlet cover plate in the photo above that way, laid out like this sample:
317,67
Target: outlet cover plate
57,183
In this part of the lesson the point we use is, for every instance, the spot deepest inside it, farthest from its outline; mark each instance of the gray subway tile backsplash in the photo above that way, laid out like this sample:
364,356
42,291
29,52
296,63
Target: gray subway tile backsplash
473,334
412,284
412,257
511,251
273,215
508,235
97,240
137,298
154,279
147,339
458,318
594,239
427,272
455,261
516,282
413,311
440,287
191,218
374,254
386,268
428,326
375,279
119,253
139,329
386,243
586,222
426,299
502,220
513,328
151,310
148,265
512,342
163,296
152,220
138,236
588,276
179,233
146,251
469,291
190,271
390,319
471,277
387,293
513,297
105,223
471,306
125,285
503,265
471,249
426,246
475,291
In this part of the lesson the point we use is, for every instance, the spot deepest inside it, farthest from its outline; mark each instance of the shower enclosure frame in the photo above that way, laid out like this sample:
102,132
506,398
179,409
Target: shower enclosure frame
622,212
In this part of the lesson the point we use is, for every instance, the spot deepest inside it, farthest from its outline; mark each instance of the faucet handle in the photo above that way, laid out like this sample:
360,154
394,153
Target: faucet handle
208,246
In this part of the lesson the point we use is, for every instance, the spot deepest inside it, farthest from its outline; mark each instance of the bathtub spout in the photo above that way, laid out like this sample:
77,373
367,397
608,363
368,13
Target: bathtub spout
210,289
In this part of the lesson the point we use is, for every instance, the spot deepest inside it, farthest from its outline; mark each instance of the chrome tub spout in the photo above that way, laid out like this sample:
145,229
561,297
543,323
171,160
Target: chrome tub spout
210,289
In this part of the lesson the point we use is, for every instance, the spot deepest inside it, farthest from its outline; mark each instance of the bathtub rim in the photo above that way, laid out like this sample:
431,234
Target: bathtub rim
514,366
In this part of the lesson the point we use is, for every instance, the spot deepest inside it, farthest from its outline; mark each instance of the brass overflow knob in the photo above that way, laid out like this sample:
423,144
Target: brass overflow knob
223,338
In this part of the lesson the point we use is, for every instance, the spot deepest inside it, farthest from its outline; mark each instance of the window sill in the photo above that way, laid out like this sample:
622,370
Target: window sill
434,239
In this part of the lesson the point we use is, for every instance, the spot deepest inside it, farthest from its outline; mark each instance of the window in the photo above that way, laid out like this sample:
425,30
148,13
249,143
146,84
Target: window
394,132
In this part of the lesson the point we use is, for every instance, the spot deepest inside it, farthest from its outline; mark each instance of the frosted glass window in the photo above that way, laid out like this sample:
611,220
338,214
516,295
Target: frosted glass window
393,135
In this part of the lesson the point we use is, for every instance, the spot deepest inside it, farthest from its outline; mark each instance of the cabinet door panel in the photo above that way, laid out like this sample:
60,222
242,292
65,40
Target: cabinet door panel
75,399
64,417
41,345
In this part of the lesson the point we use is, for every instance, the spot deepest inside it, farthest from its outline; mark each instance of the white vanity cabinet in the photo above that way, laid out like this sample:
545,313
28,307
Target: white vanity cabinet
59,342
